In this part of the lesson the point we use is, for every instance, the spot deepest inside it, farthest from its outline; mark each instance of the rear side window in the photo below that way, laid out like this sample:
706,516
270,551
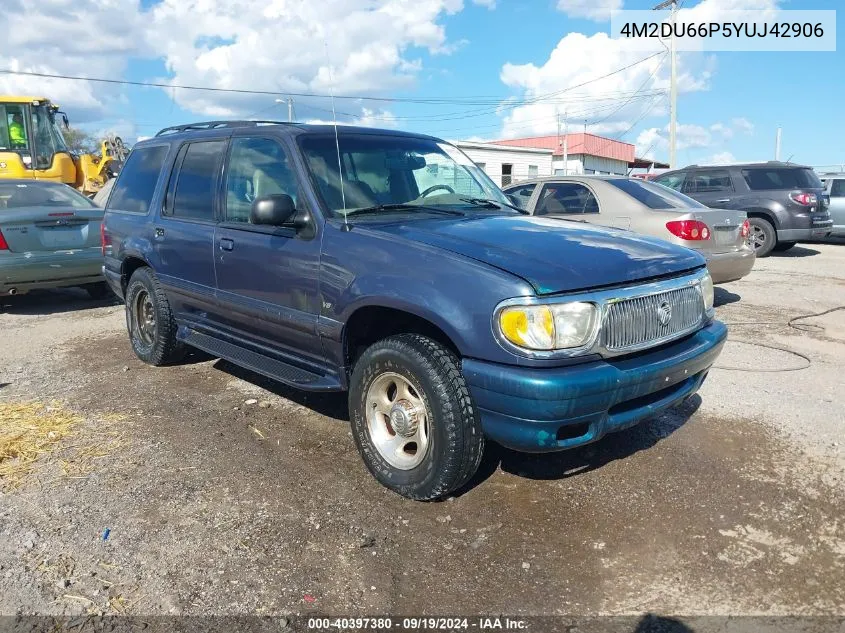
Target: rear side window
708,182
566,197
763,178
193,193
134,189
655,196
837,189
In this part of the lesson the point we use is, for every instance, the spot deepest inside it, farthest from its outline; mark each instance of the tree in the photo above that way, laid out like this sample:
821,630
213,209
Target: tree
80,141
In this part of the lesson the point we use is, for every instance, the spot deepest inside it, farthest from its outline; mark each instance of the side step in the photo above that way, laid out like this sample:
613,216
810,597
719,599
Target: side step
259,363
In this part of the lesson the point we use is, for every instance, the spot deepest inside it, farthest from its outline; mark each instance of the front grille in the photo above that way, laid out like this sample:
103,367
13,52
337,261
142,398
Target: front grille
635,323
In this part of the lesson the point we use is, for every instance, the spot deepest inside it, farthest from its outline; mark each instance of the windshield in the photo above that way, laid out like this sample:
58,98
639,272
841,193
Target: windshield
395,170
655,196
37,194
48,137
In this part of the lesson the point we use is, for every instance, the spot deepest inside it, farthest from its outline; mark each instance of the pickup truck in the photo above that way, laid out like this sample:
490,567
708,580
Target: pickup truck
388,265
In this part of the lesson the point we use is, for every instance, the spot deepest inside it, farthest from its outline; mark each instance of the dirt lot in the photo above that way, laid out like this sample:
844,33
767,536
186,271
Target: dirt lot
224,493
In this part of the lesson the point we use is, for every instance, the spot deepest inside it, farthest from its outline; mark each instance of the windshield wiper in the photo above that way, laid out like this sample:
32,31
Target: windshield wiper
377,208
487,203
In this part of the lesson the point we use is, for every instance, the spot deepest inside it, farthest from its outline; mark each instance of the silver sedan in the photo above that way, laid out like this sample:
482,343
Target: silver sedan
720,235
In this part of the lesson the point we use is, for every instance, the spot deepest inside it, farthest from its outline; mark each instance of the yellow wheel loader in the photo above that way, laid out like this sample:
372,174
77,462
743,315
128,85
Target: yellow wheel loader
32,146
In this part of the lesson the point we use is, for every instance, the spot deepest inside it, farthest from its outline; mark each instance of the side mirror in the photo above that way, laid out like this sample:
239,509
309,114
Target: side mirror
274,210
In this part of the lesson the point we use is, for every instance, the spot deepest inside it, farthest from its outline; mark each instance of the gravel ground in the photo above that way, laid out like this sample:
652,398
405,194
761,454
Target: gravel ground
224,493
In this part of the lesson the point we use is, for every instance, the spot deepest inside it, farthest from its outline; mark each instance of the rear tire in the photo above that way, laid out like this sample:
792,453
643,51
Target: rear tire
150,322
763,236
413,418
783,246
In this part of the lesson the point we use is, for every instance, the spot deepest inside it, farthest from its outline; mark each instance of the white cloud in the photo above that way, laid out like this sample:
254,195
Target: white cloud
743,125
609,105
598,10
490,4
78,37
371,47
722,129
721,158
352,46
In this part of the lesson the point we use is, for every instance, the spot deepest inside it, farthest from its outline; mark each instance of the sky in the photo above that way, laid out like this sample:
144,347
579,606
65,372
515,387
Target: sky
457,69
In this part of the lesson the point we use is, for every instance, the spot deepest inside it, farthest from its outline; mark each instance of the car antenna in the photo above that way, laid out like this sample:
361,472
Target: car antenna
790,158
346,226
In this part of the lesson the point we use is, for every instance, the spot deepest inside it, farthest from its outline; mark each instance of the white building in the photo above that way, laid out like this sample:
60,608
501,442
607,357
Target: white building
512,160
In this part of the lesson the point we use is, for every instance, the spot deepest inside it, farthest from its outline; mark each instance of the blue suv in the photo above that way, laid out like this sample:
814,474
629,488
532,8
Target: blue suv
389,265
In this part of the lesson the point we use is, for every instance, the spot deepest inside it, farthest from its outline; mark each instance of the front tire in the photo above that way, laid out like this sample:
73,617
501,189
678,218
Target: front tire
763,236
413,419
150,322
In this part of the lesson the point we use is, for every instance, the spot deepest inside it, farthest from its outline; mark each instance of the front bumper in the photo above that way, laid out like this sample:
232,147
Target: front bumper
54,269
724,267
551,409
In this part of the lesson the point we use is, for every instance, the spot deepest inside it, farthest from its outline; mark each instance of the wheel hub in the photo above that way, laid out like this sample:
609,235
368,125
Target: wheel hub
404,418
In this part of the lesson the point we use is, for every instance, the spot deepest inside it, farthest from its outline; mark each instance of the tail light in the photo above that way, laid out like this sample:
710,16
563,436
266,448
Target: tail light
745,229
105,238
804,199
691,230
4,246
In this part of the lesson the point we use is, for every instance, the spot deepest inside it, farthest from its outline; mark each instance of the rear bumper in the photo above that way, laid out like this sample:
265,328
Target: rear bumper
28,271
806,226
726,267
551,409
800,235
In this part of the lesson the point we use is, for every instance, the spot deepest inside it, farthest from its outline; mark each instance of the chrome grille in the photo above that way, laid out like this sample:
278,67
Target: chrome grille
634,323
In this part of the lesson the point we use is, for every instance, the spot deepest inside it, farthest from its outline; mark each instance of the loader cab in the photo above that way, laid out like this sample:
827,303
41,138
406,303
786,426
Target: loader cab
31,142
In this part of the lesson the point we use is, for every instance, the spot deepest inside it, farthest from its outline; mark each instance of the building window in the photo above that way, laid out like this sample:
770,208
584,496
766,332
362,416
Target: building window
589,171
533,170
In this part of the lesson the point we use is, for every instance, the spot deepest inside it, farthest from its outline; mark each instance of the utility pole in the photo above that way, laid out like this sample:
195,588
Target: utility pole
565,146
777,144
289,101
673,85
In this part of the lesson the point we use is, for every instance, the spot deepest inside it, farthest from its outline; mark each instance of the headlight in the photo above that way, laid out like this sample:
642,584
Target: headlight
707,292
549,327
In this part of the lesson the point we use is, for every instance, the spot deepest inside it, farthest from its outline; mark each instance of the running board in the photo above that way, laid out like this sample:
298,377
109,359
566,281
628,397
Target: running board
259,363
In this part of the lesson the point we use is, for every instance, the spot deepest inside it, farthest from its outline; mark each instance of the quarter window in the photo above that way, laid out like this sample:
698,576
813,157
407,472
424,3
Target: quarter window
566,197
837,189
194,190
521,194
135,186
673,181
258,167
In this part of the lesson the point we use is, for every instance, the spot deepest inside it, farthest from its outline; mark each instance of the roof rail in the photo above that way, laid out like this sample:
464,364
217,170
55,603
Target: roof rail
213,125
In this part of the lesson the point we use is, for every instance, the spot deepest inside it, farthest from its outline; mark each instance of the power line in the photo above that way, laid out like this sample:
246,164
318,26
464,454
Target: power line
433,101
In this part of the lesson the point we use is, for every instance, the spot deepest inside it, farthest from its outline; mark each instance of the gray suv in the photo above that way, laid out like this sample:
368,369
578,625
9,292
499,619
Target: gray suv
834,184
785,203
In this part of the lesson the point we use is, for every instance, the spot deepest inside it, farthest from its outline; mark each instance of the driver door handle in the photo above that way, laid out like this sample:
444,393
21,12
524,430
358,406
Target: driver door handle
226,244
723,200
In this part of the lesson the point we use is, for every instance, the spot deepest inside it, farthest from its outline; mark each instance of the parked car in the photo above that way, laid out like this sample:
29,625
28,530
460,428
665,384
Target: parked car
406,279
101,197
49,238
721,236
834,186
786,203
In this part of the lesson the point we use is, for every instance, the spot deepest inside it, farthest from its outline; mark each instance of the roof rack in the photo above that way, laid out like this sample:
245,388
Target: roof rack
213,125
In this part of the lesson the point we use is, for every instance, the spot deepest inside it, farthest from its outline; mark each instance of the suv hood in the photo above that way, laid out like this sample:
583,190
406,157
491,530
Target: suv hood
552,255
